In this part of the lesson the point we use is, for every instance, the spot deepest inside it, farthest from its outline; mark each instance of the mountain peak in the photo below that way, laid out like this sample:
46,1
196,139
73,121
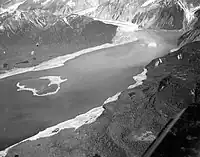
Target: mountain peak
161,14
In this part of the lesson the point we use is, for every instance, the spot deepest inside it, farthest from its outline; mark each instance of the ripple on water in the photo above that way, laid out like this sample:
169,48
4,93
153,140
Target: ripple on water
41,86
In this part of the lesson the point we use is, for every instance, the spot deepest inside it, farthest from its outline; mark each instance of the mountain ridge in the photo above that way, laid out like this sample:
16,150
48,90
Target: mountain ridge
135,11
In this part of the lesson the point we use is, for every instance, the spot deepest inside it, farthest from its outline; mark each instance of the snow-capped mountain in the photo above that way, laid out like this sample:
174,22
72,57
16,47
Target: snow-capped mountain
164,14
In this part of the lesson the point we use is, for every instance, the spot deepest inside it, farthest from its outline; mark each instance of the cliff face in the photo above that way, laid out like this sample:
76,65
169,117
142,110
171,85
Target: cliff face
193,34
162,14
26,43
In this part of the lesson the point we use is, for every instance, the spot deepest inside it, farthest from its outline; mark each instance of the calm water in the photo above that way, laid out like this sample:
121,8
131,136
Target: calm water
92,78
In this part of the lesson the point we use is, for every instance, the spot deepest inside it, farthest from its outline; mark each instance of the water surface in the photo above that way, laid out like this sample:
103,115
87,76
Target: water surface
91,79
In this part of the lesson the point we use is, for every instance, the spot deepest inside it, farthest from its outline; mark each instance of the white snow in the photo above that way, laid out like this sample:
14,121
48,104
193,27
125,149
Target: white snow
11,8
179,56
23,87
173,50
139,79
148,2
70,3
113,98
53,80
1,27
160,60
45,2
157,63
86,11
126,26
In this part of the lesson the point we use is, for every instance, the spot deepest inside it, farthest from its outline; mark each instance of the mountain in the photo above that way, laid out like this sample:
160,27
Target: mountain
163,14
26,24
28,28
193,34
129,124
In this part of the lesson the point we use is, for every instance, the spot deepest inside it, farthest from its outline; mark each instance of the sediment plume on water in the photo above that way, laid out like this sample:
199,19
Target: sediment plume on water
53,80
152,44
78,121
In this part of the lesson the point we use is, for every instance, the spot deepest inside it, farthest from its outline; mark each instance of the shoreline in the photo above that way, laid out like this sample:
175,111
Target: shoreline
85,118
52,80
55,62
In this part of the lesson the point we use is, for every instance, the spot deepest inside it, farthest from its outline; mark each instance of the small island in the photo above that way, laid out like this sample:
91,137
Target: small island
42,86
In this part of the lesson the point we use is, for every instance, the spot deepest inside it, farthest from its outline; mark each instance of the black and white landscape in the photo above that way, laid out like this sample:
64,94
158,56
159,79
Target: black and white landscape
98,78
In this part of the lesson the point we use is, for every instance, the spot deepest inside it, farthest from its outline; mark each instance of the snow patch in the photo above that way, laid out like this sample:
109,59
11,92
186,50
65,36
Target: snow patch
45,2
175,49
70,3
125,26
113,98
53,80
139,79
11,8
148,2
179,56
2,28
158,62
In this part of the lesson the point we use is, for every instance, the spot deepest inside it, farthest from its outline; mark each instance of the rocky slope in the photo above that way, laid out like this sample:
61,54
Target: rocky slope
184,135
164,14
25,43
32,32
193,34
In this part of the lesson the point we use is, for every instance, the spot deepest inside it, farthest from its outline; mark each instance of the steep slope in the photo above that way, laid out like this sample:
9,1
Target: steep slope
37,38
164,14
193,34
58,7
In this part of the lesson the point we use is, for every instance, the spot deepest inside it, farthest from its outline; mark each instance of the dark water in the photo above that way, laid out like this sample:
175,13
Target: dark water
92,78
